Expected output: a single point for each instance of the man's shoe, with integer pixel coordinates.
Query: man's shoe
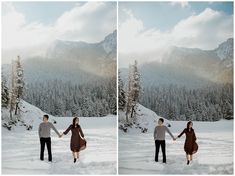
(188, 162)
(74, 160)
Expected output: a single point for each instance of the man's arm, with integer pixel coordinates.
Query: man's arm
(53, 127)
(169, 132)
(155, 133)
(39, 131)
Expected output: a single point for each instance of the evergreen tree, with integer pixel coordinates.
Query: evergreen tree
(133, 91)
(5, 93)
(121, 94)
(17, 85)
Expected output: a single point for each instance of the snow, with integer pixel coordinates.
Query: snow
(145, 117)
(225, 49)
(109, 43)
(21, 148)
(215, 154)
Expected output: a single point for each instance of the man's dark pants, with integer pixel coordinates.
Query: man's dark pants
(46, 141)
(161, 143)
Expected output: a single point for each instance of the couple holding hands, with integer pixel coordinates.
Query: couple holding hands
(77, 142)
(190, 145)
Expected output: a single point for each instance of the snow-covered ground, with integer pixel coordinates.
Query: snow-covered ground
(21, 148)
(215, 154)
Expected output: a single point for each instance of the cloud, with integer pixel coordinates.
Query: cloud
(17, 33)
(89, 22)
(205, 30)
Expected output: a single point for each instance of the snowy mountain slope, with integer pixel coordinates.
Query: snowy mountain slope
(213, 65)
(75, 61)
(110, 44)
(225, 50)
(215, 154)
(195, 57)
(29, 115)
(20, 148)
(79, 50)
(64, 59)
(146, 119)
(190, 67)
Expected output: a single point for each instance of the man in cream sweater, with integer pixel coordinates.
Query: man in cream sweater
(159, 137)
(44, 132)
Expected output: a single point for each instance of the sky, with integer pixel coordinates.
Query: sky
(148, 26)
(27, 26)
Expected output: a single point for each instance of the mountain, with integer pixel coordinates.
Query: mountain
(110, 44)
(225, 50)
(79, 62)
(79, 51)
(190, 67)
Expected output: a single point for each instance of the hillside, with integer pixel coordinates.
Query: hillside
(145, 121)
(29, 116)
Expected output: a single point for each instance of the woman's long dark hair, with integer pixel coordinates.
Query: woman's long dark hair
(74, 122)
(188, 125)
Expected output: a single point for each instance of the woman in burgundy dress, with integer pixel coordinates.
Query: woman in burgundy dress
(77, 142)
(190, 145)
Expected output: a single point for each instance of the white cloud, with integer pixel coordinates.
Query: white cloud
(17, 33)
(89, 22)
(205, 30)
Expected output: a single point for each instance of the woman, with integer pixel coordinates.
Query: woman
(190, 145)
(77, 142)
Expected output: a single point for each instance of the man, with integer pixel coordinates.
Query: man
(44, 132)
(159, 137)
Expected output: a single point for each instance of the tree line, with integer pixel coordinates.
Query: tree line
(210, 103)
(64, 98)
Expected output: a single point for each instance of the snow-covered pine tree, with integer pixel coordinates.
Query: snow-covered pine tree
(19, 82)
(12, 91)
(5, 93)
(129, 93)
(121, 94)
(112, 94)
(17, 86)
(133, 91)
